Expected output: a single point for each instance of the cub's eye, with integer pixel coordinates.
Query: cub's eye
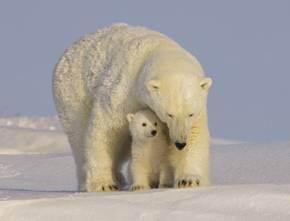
(144, 124)
(155, 123)
(190, 115)
(170, 115)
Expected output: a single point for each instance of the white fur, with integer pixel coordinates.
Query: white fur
(115, 71)
(149, 165)
(191, 165)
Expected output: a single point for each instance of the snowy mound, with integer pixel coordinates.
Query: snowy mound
(22, 135)
(37, 182)
(37, 123)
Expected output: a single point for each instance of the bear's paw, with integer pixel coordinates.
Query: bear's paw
(188, 181)
(98, 187)
(137, 187)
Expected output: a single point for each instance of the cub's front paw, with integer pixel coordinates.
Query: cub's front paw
(187, 182)
(137, 187)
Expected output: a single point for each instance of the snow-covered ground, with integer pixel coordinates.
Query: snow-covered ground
(37, 182)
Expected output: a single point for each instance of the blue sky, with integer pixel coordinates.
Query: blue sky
(243, 45)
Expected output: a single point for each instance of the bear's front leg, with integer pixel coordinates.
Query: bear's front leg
(102, 143)
(191, 168)
(191, 164)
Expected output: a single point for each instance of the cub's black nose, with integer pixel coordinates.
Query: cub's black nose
(153, 132)
(180, 146)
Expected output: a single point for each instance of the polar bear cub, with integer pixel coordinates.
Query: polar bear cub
(149, 165)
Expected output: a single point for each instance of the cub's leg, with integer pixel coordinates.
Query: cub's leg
(140, 174)
(154, 179)
(166, 179)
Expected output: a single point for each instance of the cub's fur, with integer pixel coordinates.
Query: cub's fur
(149, 165)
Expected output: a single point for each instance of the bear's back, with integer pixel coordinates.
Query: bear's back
(116, 53)
(104, 65)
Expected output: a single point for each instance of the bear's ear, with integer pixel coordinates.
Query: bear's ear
(130, 117)
(153, 85)
(206, 83)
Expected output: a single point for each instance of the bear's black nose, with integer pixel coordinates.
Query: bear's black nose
(153, 132)
(180, 146)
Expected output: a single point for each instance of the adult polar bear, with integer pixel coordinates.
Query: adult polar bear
(119, 70)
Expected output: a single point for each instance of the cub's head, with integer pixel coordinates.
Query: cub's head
(144, 125)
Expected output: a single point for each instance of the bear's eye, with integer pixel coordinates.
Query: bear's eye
(190, 115)
(170, 115)
(155, 123)
(144, 124)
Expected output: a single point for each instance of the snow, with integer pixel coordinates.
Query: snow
(37, 182)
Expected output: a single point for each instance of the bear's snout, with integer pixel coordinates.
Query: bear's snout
(153, 132)
(180, 146)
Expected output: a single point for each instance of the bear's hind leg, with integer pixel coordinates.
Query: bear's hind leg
(103, 141)
(75, 141)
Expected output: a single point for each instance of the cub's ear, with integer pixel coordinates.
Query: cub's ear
(206, 83)
(130, 117)
(153, 85)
